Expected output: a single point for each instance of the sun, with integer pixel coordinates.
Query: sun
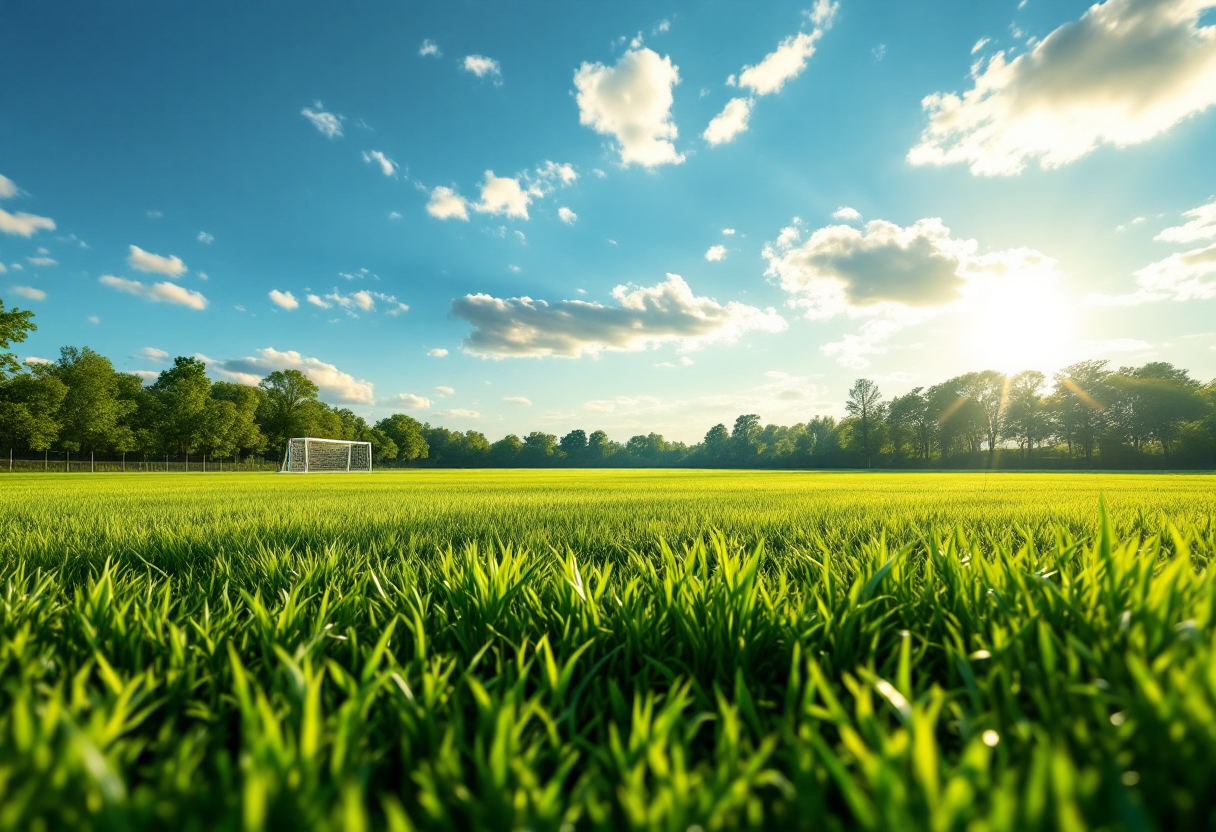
(1018, 321)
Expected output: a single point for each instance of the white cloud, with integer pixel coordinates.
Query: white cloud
(93, 319)
(8, 188)
(446, 204)
(204, 237)
(153, 354)
(328, 124)
(550, 175)
(394, 215)
(33, 359)
(1189, 275)
(643, 317)
(443, 390)
(437, 352)
(360, 301)
(823, 13)
(387, 166)
(358, 274)
(29, 292)
(334, 384)
(846, 213)
(521, 400)
(661, 27)
(3, 268)
(1200, 227)
(980, 44)
(158, 293)
(684, 361)
(145, 261)
(22, 224)
(1127, 71)
(42, 261)
(429, 49)
(631, 101)
(842, 269)
(567, 216)
(784, 63)
(146, 375)
(729, 232)
(716, 253)
(730, 122)
(409, 401)
(502, 195)
(458, 414)
(286, 300)
(481, 66)
(853, 350)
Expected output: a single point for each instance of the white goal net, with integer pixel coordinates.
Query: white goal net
(320, 456)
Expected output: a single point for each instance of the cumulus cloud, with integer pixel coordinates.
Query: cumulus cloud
(716, 253)
(153, 354)
(446, 204)
(846, 213)
(328, 124)
(521, 400)
(42, 261)
(642, 317)
(481, 66)
(730, 122)
(29, 292)
(437, 352)
(409, 401)
(158, 292)
(1127, 71)
(33, 359)
(1201, 226)
(631, 102)
(387, 166)
(729, 232)
(334, 384)
(842, 269)
(22, 224)
(1188, 275)
(145, 261)
(8, 188)
(429, 49)
(285, 300)
(502, 195)
(204, 237)
(567, 216)
(443, 390)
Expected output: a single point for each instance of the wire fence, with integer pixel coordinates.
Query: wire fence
(66, 462)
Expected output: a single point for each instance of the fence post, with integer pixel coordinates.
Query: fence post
(10, 459)
(204, 463)
(92, 470)
(187, 462)
(67, 462)
(46, 459)
(124, 462)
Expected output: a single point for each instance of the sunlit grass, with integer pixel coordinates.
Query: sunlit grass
(646, 650)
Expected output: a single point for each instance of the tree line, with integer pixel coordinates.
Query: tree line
(1086, 415)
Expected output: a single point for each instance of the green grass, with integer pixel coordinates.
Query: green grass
(607, 650)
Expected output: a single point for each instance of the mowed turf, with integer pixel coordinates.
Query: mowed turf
(607, 650)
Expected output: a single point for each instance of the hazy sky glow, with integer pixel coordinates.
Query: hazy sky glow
(625, 216)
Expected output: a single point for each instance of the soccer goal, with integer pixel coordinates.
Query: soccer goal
(325, 456)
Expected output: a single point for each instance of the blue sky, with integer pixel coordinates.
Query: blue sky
(695, 210)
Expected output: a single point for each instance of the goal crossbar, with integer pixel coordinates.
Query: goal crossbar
(309, 455)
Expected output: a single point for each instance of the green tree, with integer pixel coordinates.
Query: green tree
(1151, 403)
(988, 390)
(29, 408)
(245, 436)
(539, 448)
(185, 421)
(864, 406)
(506, 451)
(15, 325)
(716, 445)
(745, 440)
(574, 446)
(905, 416)
(1027, 418)
(406, 433)
(600, 447)
(93, 410)
(1081, 396)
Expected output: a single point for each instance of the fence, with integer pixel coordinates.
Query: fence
(75, 463)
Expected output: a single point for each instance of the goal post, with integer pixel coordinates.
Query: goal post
(307, 455)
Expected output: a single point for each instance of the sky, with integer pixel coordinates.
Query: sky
(629, 216)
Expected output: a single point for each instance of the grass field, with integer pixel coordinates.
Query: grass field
(606, 650)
